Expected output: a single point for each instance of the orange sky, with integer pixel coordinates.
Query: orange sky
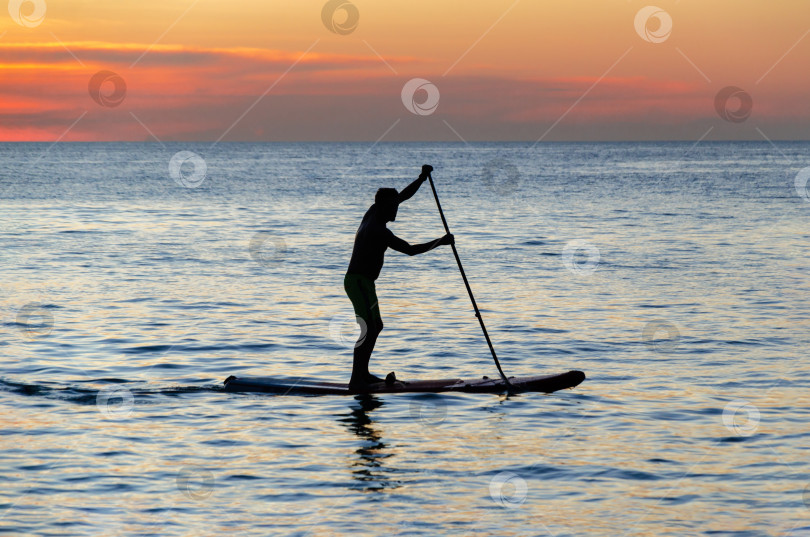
(502, 70)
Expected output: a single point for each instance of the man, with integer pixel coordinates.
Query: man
(370, 243)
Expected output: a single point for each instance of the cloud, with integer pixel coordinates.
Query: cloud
(197, 93)
(123, 55)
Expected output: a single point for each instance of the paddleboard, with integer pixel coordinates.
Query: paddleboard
(304, 386)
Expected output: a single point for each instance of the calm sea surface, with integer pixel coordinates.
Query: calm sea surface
(675, 275)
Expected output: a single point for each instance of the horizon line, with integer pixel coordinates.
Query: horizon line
(457, 142)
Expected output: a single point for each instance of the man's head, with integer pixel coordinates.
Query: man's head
(387, 199)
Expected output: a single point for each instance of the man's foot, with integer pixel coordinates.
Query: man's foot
(369, 380)
(373, 379)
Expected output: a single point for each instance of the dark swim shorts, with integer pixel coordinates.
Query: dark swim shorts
(363, 294)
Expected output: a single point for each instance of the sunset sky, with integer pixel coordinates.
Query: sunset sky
(531, 70)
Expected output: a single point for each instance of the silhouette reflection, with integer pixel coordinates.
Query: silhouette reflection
(369, 468)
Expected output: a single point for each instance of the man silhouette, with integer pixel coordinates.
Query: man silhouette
(370, 243)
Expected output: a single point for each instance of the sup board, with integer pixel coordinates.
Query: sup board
(303, 386)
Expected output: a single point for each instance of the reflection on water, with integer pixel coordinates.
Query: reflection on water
(369, 468)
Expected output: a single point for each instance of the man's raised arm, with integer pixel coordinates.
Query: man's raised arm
(411, 189)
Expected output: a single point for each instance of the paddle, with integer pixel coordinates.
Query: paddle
(467, 285)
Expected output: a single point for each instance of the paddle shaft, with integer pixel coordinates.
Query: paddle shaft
(467, 285)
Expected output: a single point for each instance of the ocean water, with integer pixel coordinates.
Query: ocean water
(674, 275)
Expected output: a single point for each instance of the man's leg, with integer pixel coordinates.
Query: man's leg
(363, 295)
(369, 331)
